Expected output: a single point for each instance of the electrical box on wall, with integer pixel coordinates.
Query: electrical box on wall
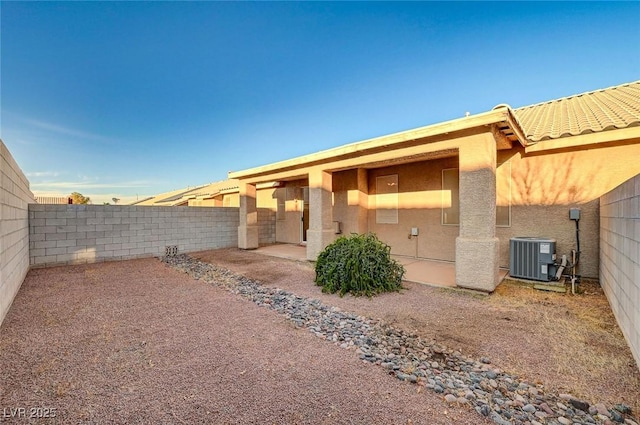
(414, 231)
(574, 214)
(337, 227)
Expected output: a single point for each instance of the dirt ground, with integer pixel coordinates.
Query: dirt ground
(138, 342)
(569, 343)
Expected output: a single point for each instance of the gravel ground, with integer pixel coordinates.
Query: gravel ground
(565, 344)
(503, 397)
(138, 342)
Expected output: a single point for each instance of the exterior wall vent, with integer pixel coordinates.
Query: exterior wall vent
(532, 258)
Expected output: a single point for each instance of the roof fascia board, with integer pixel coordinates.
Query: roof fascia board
(390, 142)
(514, 124)
(610, 136)
(375, 157)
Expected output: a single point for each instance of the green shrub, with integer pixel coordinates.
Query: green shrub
(359, 264)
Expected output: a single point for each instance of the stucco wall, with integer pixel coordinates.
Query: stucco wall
(265, 198)
(420, 200)
(15, 197)
(540, 188)
(351, 200)
(73, 234)
(419, 205)
(552, 221)
(620, 257)
(545, 186)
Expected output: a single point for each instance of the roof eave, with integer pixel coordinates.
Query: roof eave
(445, 129)
(514, 124)
(622, 135)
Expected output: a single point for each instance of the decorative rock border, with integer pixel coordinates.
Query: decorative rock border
(461, 380)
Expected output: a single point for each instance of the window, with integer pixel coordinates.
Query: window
(450, 196)
(387, 199)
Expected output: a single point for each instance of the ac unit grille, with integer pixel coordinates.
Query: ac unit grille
(532, 258)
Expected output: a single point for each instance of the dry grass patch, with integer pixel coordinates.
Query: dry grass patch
(588, 355)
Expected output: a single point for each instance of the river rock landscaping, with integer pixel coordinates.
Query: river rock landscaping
(458, 378)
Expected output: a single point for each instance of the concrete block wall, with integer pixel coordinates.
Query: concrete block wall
(75, 234)
(15, 197)
(620, 257)
(266, 226)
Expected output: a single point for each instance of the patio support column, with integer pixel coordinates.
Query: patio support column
(477, 245)
(248, 228)
(320, 233)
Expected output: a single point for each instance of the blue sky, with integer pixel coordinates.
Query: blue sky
(128, 99)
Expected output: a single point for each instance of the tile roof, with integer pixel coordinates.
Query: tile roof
(182, 196)
(163, 197)
(214, 188)
(52, 199)
(600, 110)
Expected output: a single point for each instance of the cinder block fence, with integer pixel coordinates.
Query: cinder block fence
(15, 196)
(75, 234)
(36, 235)
(620, 257)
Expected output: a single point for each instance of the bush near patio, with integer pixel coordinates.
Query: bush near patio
(360, 265)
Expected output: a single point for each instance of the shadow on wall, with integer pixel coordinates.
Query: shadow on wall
(554, 180)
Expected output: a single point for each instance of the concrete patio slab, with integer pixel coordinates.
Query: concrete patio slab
(428, 272)
(418, 270)
(289, 251)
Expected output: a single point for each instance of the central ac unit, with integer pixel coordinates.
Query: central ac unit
(532, 258)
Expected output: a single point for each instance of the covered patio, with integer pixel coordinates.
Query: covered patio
(345, 186)
(418, 270)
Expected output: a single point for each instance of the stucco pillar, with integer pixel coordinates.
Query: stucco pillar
(248, 228)
(320, 233)
(477, 246)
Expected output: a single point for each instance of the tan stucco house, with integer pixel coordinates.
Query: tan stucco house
(459, 190)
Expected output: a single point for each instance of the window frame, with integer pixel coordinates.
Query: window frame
(388, 217)
(442, 208)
